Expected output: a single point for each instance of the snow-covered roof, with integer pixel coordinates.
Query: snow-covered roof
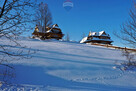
(101, 33)
(93, 33)
(83, 40)
(48, 31)
(55, 28)
(41, 29)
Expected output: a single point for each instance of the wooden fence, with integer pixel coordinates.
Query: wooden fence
(115, 47)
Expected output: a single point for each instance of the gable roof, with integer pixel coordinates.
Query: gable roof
(101, 33)
(55, 28)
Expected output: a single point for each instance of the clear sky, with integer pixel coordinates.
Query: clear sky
(90, 15)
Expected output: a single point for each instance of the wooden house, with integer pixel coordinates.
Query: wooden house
(53, 32)
(97, 37)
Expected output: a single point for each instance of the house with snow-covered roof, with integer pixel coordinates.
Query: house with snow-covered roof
(53, 32)
(97, 37)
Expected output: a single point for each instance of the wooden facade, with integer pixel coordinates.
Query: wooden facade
(99, 41)
(52, 33)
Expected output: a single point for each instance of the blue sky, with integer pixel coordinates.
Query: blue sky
(90, 15)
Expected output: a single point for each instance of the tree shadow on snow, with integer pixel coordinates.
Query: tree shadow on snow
(76, 55)
(38, 76)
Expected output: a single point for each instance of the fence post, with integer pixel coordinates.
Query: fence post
(125, 49)
(107, 45)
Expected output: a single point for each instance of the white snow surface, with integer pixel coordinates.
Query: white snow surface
(66, 66)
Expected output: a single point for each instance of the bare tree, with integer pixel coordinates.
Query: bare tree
(67, 37)
(83, 35)
(14, 20)
(129, 64)
(128, 29)
(43, 16)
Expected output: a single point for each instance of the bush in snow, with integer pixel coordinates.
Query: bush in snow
(130, 64)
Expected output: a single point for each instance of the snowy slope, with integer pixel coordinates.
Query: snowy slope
(65, 66)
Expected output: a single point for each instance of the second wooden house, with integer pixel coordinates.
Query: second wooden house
(97, 37)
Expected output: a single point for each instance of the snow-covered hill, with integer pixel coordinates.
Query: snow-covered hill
(65, 66)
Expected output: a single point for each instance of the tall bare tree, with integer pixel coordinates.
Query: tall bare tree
(14, 20)
(128, 29)
(43, 16)
(67, 37)
(83, 35)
